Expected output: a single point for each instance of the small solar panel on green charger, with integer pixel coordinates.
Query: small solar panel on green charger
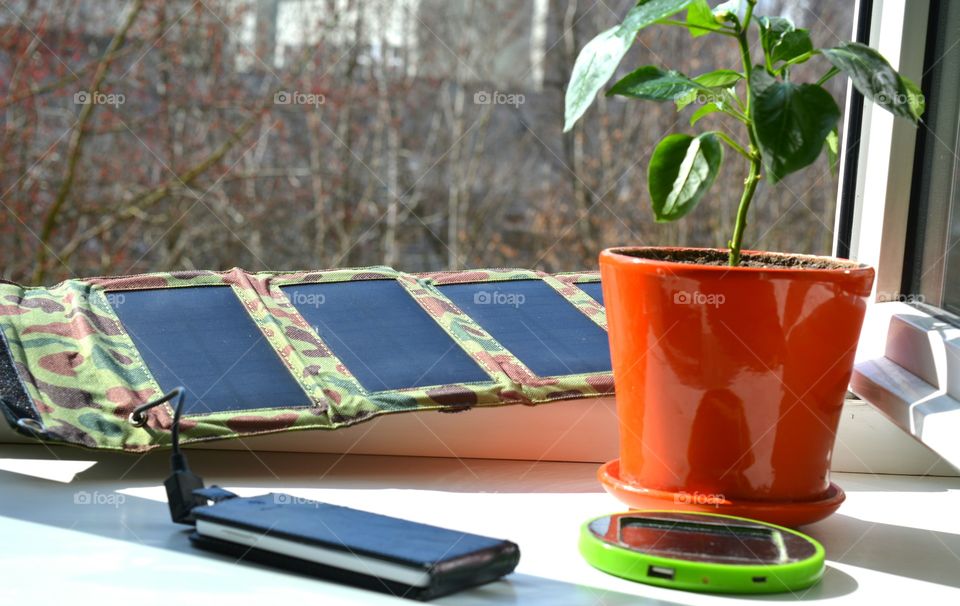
(705, 552)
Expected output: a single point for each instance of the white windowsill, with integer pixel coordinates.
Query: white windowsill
(895, 536)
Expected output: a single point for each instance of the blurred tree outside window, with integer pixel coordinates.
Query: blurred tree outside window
(144, 135)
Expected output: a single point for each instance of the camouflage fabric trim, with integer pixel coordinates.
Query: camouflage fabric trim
(578, 298)
(83, 374)
(474, 276)
(67, 337)
(575, 277)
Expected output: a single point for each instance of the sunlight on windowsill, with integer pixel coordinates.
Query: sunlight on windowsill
(55, 470)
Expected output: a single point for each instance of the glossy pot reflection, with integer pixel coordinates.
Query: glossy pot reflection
(730, 381)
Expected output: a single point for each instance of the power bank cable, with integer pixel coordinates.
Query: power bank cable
(185, 489)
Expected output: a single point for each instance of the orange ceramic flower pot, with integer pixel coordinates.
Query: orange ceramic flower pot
(730, 381)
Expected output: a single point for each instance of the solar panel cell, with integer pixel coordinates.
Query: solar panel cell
(382, 335)
(202, 339)
(537, 324)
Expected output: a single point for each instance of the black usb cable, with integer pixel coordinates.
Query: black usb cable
(185, 489)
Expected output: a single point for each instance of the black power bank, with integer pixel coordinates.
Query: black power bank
(381, 553)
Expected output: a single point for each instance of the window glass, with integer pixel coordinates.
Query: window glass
(935, 212)
(421, 134)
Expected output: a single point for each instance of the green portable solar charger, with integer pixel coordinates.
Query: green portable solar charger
(702, 552)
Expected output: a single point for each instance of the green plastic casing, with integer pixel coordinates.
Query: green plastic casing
(691, 575)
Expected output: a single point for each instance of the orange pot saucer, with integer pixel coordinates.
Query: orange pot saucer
(785, 513)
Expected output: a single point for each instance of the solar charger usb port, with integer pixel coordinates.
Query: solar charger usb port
(661, 572)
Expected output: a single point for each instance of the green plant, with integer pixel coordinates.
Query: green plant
(787, 123)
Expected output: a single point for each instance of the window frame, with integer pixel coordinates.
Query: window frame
(909, 354)
(883, 182)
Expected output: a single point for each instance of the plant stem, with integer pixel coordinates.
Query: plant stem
(830, 74)
(756, 164)
(733, 144)
(749, 188)
(799, 59)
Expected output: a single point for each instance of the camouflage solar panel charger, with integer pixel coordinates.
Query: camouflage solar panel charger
(267, 352)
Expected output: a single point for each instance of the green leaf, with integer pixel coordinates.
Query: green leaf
(719, 89)
(598, 60)
(652, 83)
(876, 80)
(720, 77)
(791, 122)
(686, 99)
(772, 30)
(700, 16)
(792, 46)
(832, 144)
(723, 97)
(729, 11)
(781, 40)
(681, 171)
(715, 87)
(706, 110)
(914, 97)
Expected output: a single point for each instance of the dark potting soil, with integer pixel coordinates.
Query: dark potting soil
(719, 257)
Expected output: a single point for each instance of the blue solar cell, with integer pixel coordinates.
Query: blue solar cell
(537, 324)
(202, 339)
(382, 335)
(593, 289)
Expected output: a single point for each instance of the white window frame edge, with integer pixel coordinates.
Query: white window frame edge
(904, 353)
(882, 193)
